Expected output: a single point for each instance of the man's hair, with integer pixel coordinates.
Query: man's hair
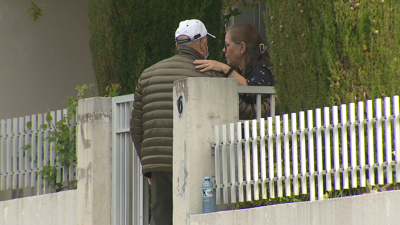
(189, 43)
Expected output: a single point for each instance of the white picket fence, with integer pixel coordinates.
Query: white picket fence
(19, 167)
(315, 155)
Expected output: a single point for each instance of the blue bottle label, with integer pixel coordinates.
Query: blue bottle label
(208, 192)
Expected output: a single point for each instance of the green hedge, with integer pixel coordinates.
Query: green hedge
(127, 36)
(333, 52)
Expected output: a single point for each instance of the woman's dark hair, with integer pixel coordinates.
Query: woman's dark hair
(249, 34)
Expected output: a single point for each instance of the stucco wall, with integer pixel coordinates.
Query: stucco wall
(42, 62)
(368, 209)
(49, 209)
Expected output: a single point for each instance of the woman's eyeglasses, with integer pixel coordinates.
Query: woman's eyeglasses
(226, 47)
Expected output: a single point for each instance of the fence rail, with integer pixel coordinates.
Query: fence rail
(19, 166)
(259, 91)
(275, 158)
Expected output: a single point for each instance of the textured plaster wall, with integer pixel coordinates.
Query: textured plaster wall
(368, 209)
(49, 209)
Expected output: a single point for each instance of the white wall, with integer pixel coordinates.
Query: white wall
(49, 209)
(368, 209)
(42, 62)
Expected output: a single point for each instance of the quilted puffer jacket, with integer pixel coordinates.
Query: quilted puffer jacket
(247, 110)
(152, 116)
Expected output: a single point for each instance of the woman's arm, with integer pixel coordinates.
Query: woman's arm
(206, 65)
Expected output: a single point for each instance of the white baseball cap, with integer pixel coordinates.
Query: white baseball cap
(194, 29)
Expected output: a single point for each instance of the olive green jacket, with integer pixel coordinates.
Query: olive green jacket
(152, 116)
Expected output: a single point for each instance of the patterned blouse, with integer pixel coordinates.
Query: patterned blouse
(259, 76)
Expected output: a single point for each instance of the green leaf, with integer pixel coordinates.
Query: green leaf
(49, 118)
(52, 139)
(26, 147)
(29, 124)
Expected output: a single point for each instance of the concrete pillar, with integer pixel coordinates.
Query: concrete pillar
(94, 150)
(199, 104)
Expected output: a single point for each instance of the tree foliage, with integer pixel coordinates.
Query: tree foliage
(127, 36)
(333, 52)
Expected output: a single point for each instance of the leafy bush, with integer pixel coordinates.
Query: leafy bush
(127, 36)
(333, 52)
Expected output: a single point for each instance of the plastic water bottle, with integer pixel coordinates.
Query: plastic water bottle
(208, 196)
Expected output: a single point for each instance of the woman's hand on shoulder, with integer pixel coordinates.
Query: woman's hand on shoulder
(206, 65)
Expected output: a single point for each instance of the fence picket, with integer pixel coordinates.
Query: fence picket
(21, 151)
(9, 153)
(353, 150)
(361, 142)
(40, 154)
(255, 158)
(262, 158)
(28, 153)
(335, 138)
(232, 164)
(34, 155)
(247, 159)
(371, 155)
(46, 157)
(71, 169)
(318, 139)
(128, 171)
(379, 149)
(60, 168)
(278, 146)
(240, 160)
(311, 162)
(271, 159)
(294, 155)
(122, 156)
(327, 136)
(388, 141)
(303, 153)
(345, 162)
(286, 154)
(224, 165)
(15, 150)
(65, 169)
(217, 166)
(3, 147)
(52, 152)
(396, 133)
(124, 113)
(116, 172)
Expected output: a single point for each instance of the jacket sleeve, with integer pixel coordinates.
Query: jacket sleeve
(214, 74)
(136, 123)
(247, 110)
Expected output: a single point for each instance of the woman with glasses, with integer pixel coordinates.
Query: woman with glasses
(248, 62)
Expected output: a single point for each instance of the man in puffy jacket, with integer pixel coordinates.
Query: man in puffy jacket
(152, 116)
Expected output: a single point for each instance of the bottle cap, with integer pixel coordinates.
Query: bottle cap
(206, 177)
